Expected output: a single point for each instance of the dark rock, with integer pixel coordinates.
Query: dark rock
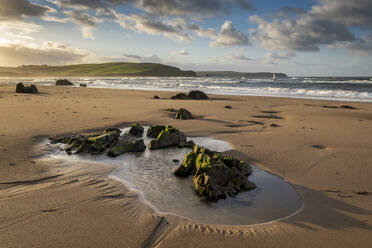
(274, 125)
(215, 175)
(176, 160)
(154, 131)
(20, 88)
(347, 107)
(136, 130)
(197, 95)
(95, 143)
(171, 110)
(167, 138)
(228, 107)
(327, 106)
(156, 97)
(125, 146)
(180, 96)
(183, 114)
(63, 82)
(83, 85)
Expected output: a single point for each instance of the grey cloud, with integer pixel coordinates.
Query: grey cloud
(275, 58)
(49, 53)
(180, 52)
(142, 23)
(86, 22)
(237, 57)
(304, 34)
(361, 46)
(229, 37)
(18, 9)
(196, 8)
(327, 23)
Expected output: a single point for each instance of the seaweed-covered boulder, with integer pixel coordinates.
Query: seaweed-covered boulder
(183, 114)
(94, 143)
(154, 131)
(63, 82)
(21, 88)
(180, 96)
(197, 95)
(125, 145)
(215, 175)
(167, 138)
(136, 130)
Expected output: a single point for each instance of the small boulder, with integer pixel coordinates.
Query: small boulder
(136, 130)
(20, 88)
(183, 114)
(228, 107)
(215, 175)
(167, 138)
(63, 82)
(347, 107)
(179, 96)
(197, 95)
(156, 97)
(83, 85)
(154, 131)
(124, 146)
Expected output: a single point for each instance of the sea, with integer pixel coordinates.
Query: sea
(329, 88)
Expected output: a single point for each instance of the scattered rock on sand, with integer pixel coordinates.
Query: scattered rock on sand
(63, 82)
(83, 85)
(156, 97)
(215, 175)
(26, 89)
(183, 114)
(197, 95)
(347, 107)
(192, 95)
(228, 107)
(342, 106)
(180, 96)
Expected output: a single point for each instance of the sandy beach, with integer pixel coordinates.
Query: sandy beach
(324, 153)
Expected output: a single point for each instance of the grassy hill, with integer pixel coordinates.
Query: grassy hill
(118, 69)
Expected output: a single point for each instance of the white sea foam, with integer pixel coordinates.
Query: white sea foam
(349, 89)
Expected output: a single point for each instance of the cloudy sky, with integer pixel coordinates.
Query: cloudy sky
(298, 37)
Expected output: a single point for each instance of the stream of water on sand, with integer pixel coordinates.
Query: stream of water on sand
(151, 175)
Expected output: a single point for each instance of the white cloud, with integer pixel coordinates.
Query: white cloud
(52, 53)
(229, 37)
(180, 52)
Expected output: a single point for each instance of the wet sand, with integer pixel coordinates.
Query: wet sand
(325, 153)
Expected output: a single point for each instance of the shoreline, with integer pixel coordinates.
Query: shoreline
(341, 218)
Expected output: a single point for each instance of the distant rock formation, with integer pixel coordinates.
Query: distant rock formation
(192, 95)
(32, 89)
(63, 82)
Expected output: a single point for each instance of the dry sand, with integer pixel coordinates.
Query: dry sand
(45, 205)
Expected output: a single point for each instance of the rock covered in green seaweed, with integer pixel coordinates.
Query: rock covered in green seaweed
(183, 114)
(154, 131)
(168, 137)
(124, 145)
(98, 143)
(215, 175)
(136, 130)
